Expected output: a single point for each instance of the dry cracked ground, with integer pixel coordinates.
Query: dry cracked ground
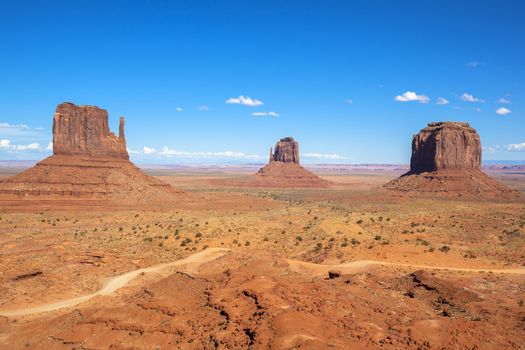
(338, 268)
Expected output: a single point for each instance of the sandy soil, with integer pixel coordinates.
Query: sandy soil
(272, 289)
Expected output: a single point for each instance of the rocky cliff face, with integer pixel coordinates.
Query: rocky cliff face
(286, 151)
(89, 163)
(446, 159)
(83, 130)
(445, 146)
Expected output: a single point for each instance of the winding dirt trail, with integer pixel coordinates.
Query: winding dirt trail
(364, 264)
(117, 282)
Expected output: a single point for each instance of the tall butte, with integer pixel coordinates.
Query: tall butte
(88, 162)
(446, 160)
(284, 170)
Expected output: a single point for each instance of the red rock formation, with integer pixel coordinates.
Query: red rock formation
(445, 145)
(286, 150)
(446, 159)
(282, 171)
(88, 162)
(83, 130)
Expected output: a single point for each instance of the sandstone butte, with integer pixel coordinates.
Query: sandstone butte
(446, 160)
(88, 161)
(284, 170)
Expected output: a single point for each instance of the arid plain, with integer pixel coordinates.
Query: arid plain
(406, 272)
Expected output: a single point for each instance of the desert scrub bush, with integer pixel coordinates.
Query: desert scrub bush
(359, 222)
(377, 238)
(299, 238)
(444, 248)
(423, 242)
(198, 234)
(469, 255)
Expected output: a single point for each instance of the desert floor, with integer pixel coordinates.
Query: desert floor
(250, 269)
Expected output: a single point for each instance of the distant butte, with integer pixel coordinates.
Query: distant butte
(84, 131)
(286, 151)
(284, 170)
(88, 161)
(446, 160)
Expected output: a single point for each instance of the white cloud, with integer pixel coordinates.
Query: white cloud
(31, 146)
(244, 100)
(516, 147)
(13, 126)
(14, 130)
(442, 101)
(130, 151)
(503, 111)
(6, 145)
(323, 156)
(178, 109)
(469, 98)
(489, 149)
(504, 100)
(149, 150)
(478, 109)
(412, 96)
(473, 64)
(203, 108)
(171, 153)
(349, 101)
(265, 114)
(49, 146)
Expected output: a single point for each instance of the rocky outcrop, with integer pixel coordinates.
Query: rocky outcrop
(446, 160)
(88, 162)
(84, 131)
(284, 170)
(446, 145)
(286, 151)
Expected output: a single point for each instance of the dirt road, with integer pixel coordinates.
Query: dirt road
(193, 261)
(117, 282)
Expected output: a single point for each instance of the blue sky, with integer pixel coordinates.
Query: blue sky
(352, 81)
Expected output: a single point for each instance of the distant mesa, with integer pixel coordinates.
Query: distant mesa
(446, 160)
(84, 131)
(286, 151)
(446, 146)
(88, 161)
(284, 170)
